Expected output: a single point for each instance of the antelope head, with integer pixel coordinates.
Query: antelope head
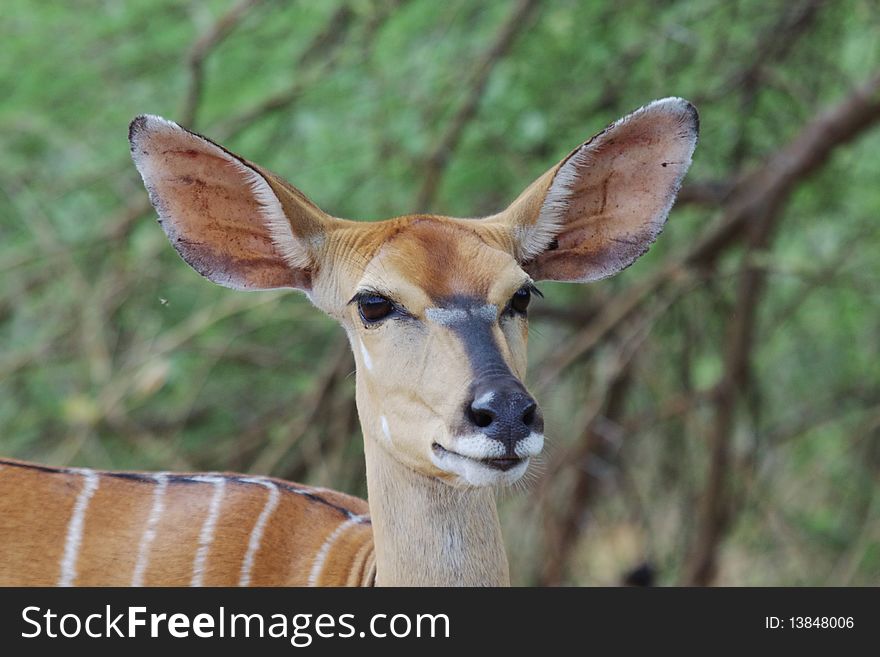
(435, 307)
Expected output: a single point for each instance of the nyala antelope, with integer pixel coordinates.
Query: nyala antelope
(436, 313)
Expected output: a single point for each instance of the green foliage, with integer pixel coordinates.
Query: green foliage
(115, 355)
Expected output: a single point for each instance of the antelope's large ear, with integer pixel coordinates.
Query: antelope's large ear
(233, 222)
(601, 207)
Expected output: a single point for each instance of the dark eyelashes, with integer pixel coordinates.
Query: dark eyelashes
(363, 294)
(531, 287)
(374, 306)
(367, 294)
(519, 302)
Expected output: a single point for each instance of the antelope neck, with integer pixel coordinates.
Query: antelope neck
(427, 533)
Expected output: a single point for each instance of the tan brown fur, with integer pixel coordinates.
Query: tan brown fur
(117, 516)
(35, 509)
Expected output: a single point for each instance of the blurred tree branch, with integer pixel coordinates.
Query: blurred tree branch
(438, 159)
(195, 60)
(310, 409)
(759, 212)
(318, 58)
(562, 526)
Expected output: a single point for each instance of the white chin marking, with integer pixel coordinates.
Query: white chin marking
(479, 446)
(463, 455)
(474, 473)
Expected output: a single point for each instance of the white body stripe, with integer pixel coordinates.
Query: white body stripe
(140, 568)
(75, 527)
(321, 557)
(259, 528)
(206, 537)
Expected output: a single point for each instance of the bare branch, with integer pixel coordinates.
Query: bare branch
(438, 159)
(763, 210)
(562, 528)
(213, 36)
(317, 59)
(709, 193)
(336, 367)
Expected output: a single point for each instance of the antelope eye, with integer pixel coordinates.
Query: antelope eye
(374, 308)
(520, 301)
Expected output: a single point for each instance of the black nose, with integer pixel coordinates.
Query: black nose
(504, 411)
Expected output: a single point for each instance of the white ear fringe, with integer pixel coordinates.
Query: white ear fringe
(535, 239)
(292, 249)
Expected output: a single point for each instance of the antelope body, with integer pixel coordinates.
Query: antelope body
(435, 309)
(79, 526)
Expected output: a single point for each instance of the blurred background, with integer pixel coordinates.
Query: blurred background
(713, 412)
